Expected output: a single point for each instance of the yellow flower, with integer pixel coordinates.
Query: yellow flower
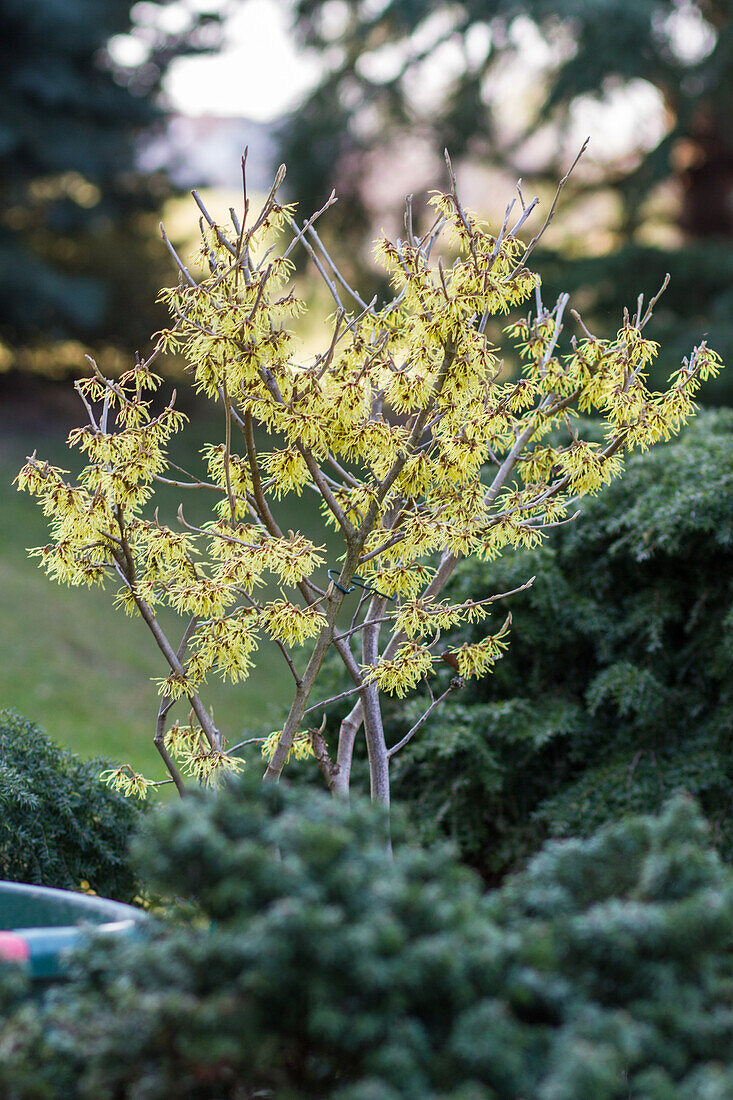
(288, 471)
(182, 740)
(398, 676)
(210, 766)
(290, 623)
(301, 747)
(129, 782)
(477, 659)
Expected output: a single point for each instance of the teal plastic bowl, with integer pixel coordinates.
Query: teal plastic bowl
(38, 925)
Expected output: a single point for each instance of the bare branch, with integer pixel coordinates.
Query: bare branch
(408, 221)
(456, 683)
(526, 211)
(187, 484)
(307, 225)
(316, 260)
(248, 741)
(320, 751)
(588, 335)
(263, 508)
(320, 481)
(220, 236)
(336, 273)
(176, 259)
(87, 406)
(333, 698)
(650, 308)
(538, 236)
(554, 523)
(270, 200)
(345, 476)
(373, 727)
(166, 703)
(228, 449)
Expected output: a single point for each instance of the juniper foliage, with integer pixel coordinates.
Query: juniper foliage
(316, 966)
(616, 690)
(59, 825)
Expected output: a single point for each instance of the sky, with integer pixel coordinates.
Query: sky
(239, 80)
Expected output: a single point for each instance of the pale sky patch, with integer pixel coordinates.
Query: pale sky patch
(260, 73)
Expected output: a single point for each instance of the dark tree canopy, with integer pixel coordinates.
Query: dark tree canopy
(379, 85)
(72, 252)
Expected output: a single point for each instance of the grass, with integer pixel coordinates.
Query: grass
(81, 669)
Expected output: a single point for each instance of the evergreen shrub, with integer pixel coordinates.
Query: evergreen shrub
(616, 691)
(59, 824)
(308, 963)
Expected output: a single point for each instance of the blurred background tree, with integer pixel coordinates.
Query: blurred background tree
(78, 252)
(516, 84)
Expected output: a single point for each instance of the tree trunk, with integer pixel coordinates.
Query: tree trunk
(707, 206)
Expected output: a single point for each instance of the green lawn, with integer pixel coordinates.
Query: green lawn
(80, 668)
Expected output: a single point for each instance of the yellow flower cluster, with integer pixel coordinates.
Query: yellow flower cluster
(226, 645)
(210, 766)
(288, 471)
(477, 659)
(291, 624)
(300, 749)
(427, 615)
(189, 747)
(403, 672)
(127, 781)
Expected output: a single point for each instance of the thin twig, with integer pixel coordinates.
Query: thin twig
(650, 308)
(228, 449)
(538, 236)
(249, 741)
(306, 226)
(176, 259)
(222, 239)
(187, 484)
(456, 683)
(270, 200)
(333, 698)
(87, 406)
(337, 274)
(166, 703)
